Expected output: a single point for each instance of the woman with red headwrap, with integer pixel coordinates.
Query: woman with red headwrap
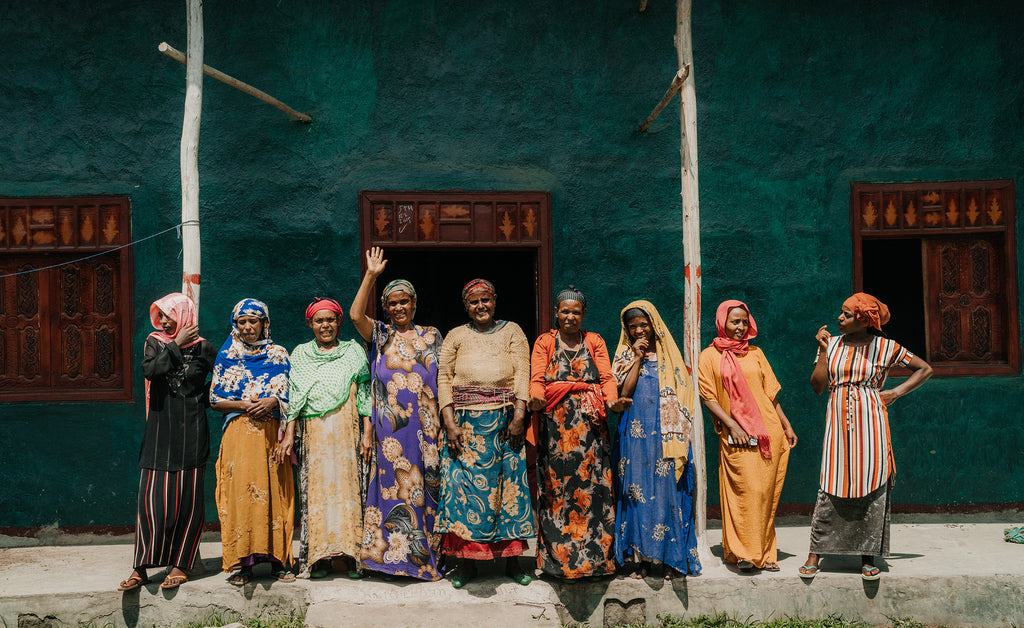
(739, 388)
(329, 406)
(177, 363)
(851, 515)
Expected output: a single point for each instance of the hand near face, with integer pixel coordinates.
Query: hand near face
(640, 346)
(187, 335)
(822, 337)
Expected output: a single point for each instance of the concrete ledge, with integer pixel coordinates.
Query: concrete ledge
(952, 574)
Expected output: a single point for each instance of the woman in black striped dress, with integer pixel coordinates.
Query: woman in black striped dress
(177, 364)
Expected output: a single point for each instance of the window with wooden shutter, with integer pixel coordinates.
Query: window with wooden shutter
(65, 299)
(944, 255)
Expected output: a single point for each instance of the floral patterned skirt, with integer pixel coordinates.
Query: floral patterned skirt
(255, 495)
(576, 507)
(484, 493)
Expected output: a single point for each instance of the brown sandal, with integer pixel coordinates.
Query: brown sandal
(133, 582)
(173, 582)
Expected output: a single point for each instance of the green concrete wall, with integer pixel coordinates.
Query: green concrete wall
(795, 101)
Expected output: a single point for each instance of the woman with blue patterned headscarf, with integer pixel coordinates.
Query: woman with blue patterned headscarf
(255, 491)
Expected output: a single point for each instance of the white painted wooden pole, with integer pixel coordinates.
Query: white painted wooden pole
(691, 261)
(190, 278)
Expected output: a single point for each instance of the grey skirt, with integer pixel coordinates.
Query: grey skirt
(852, 526)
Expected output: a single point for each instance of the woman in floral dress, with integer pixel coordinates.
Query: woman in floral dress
(572, 383)
(402, 496)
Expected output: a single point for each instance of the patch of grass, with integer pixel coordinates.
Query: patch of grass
(295, 620)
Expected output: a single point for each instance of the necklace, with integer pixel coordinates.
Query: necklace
(565, 350)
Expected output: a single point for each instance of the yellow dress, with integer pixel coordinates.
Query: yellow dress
(255, 495)
(749, 485)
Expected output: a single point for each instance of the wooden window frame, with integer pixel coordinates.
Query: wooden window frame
(495, 220)
(84, 346)
(930, 211)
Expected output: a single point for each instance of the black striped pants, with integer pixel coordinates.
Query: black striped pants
(171, 513)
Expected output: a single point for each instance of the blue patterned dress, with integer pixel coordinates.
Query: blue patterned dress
(654, 517)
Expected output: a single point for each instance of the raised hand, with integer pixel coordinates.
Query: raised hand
(375, 261)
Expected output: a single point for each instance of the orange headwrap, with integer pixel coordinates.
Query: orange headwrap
(868, 310)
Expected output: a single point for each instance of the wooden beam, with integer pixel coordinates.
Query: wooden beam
(168, 50)
(191, 262)
(677, 84)
(692, 264)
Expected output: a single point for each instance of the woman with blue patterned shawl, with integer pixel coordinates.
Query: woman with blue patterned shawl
(255, 490)
(654, 474)
(330, 405)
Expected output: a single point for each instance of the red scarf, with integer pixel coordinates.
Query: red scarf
(742, 404)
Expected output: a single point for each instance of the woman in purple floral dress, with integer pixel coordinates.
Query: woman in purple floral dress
(401, 501)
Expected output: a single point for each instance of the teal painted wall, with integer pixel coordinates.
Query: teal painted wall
(793, 105)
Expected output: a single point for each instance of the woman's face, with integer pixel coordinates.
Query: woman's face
(167, 323)
(569, 316)
(480, 307)
(737, 323)
(400, 307)
(325, 326)
(848, 323)
(250, 328)
(640, 327)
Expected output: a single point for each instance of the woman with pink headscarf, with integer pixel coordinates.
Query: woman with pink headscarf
(740, 390)
(851, 516)
(177, 363)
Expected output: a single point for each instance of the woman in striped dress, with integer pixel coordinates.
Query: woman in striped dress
(851, 515)
(176, 363)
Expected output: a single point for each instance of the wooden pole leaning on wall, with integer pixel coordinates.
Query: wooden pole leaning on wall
(692, 265)
(190, 242)
(169, 50)
(677, 84)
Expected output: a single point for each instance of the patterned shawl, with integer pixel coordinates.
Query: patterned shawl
(676, 406)
(250, 371)
(320, 382)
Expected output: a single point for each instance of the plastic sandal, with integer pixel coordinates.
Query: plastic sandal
(284, 575)
(519, 577)
(865, 572)
(354, 575)
(771, 567)
(461, 577)
(133, 582)
(811, 571)
(241, 578)
(745, 565)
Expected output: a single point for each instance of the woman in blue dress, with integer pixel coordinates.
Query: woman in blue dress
(653, 470)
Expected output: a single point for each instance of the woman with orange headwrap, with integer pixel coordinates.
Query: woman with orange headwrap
(739, 388)
(851, 515)
(329, 410)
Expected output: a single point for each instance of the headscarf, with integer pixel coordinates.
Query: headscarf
(742, 404)
(246, 371)
(476, 285)
(398, 285)
(868, 310)
(676, 399)
(323, 303)
(571, 294)
(180, 309)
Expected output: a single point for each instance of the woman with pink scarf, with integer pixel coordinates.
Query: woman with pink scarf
(177, 363)
(739, 388)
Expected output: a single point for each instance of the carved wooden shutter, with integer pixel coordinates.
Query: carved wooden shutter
(67, 323)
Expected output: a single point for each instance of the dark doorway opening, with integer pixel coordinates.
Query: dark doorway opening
(438, 276)
(894, 273)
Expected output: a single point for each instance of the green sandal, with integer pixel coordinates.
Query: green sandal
(520, 577)
(462, 576)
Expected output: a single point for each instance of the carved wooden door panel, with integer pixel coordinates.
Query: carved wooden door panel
(965, 283)
(20, 334)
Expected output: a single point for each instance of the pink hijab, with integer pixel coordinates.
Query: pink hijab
(742, 404)
(182, 311)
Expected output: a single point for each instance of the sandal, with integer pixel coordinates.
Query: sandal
(865, 572)
(638, 572)
(771, 567)
(133, 582)
(519, 577)
(745, 565)
(807, 572)
(283, 575)
(241, 578)
(173, 582)
(355, 575)
(671, 573)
